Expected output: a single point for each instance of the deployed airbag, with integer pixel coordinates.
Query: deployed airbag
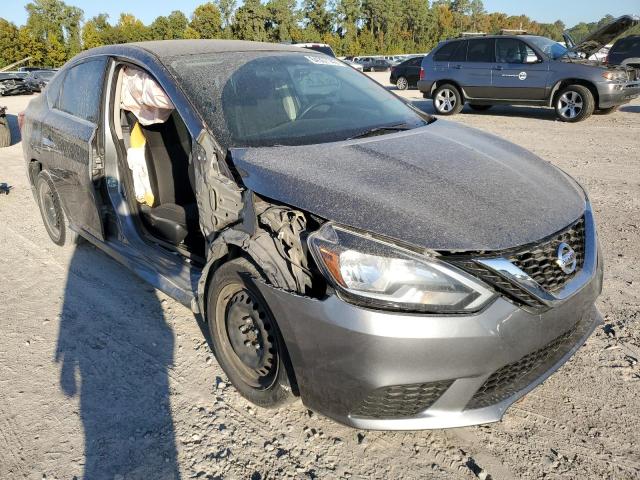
(142, 96)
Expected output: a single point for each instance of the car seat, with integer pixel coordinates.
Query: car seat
(171, 177)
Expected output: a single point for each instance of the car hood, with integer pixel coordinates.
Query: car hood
(442, 187)
(601, 37)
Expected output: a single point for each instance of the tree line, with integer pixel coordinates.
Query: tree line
(54, 31)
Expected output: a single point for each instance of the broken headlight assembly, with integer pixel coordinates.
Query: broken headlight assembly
(615, 75)
(376, 273)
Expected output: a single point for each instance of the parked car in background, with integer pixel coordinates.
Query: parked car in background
(373, 64)
(393, 270)
(12, 83)
(353, 64)
(38, 79)
(627, 48)
(529, 70)
(406, 74)
(318, 47)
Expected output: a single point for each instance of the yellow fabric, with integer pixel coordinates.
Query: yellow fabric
(138, 164)
(137, 138)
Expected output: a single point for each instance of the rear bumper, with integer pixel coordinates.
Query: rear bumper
(346, 358)
(613, 94)
(425, 86)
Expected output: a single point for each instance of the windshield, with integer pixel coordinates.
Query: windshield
(550, 48)
(254, 99)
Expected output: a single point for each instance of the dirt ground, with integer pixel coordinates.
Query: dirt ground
(103, 377)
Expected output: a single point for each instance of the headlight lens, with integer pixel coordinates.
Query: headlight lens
(615, 75)
(373, 272)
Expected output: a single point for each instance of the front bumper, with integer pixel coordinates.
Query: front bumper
(369, 369)
(614, 94)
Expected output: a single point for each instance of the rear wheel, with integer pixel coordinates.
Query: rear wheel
(574, 103)
(5, 133)
(246, 339)
(50, 209)
(479, 108)
(402, 83)
(447, 100)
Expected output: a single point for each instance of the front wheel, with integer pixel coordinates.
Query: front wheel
(447, 100)
(402, 83)
(574, 103)
(246, 339)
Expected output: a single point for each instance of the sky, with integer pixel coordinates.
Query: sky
(569, 11)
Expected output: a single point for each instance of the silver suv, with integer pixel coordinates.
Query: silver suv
(528, 70)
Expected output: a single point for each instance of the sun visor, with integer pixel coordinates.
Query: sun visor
(143, 97)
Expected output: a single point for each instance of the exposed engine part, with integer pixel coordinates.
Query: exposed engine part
(289, 226)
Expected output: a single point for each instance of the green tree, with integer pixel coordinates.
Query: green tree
(206, 21)
(9, 51)
(96, 32)
(54, 18)
(31, 46)
(171, 27)
(249, 22)
(129, 29)
(317, 17)
(227, 9)
(282, 20)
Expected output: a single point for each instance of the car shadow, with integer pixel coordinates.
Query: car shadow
(16, 136)
(115, 349)
(496, 111)
(630, 108)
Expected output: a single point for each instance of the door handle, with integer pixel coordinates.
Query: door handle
(48, 144)
(457, 67)
(498, 67)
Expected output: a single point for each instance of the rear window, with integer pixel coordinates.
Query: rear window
(82, 90)
(460, 55)
(444, 53)
(628, 44)
(481, 50)
(326, 49)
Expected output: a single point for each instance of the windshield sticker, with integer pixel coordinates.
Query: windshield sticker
(318, 60)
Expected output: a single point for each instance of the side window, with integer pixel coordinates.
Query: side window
(54, 87)
(82, 90)
(444, 53)
(460, 55)
(511, 50)
(481, 50)
(415, 62)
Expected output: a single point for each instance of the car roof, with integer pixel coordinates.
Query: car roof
(481, 37)
(173, 48)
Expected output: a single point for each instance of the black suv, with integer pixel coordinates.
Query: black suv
(528, 70)
(406, 74)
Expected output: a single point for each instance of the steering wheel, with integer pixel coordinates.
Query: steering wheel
(313, 106)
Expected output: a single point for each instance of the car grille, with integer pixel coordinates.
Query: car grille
(516, 376)
(398, 401)
(538, 261)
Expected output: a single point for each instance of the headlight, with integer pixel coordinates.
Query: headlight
(376, 273)
(615, 75)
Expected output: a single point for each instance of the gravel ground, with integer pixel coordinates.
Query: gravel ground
(101, 376)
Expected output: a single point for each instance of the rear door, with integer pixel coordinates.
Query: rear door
(519, 73)
(72, 137)
(412, 70)
(475, 76)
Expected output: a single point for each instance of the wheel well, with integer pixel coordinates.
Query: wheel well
(438, 83)
(35, 167)
(574, 81)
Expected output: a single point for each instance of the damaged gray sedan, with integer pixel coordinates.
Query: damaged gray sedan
(392, 270)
